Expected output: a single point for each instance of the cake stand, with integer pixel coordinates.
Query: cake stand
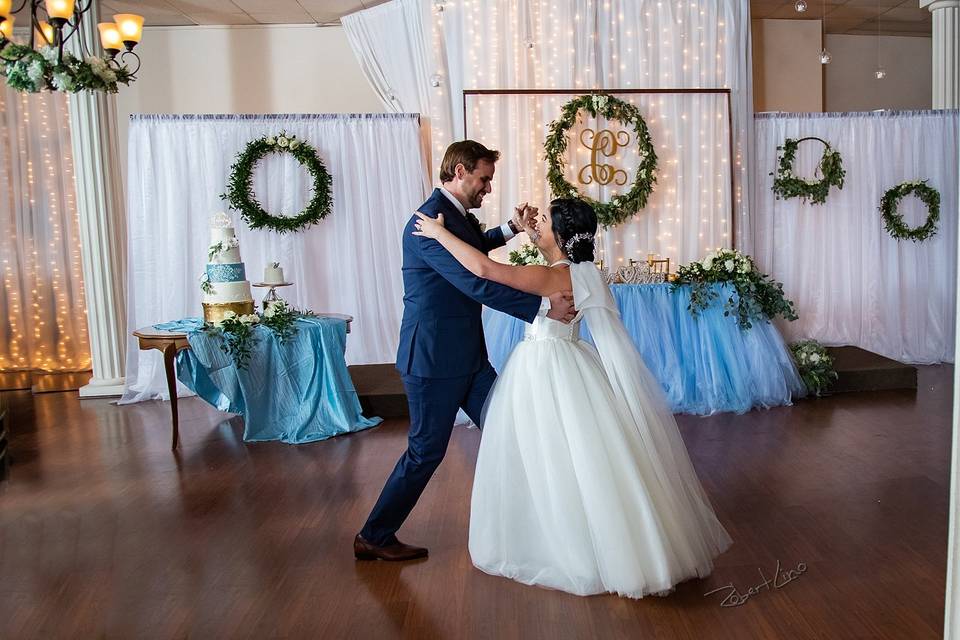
(272, 293)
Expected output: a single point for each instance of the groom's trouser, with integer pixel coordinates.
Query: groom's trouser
(433, 410)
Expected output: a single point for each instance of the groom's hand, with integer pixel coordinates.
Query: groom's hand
(561, 307)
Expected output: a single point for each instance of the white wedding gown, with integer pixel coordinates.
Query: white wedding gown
(583, 482)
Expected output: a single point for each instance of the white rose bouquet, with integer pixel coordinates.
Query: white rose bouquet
(527, 254)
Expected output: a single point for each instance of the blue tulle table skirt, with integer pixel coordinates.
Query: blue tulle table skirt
(299, 391)
(705, 364)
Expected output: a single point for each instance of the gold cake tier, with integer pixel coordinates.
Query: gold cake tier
(214, 311)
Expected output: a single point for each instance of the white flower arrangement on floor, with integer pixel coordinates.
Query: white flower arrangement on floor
(815, 365)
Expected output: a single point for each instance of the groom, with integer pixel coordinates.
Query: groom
(442, 356)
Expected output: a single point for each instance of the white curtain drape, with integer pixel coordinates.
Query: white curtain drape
(348, 263)
(388, 42)
(582, 45)
(852, 282)
(43, 322)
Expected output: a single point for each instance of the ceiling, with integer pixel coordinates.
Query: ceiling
(893, 17)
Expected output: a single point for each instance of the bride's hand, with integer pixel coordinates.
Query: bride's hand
(429, 227)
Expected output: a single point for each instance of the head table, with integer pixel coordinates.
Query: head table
(705, 364)
(296, 391)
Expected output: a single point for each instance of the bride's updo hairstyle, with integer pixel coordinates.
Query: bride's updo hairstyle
(574, 224)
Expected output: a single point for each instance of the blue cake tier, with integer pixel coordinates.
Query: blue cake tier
(233, 272)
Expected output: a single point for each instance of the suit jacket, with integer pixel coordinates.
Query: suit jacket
(441, 334)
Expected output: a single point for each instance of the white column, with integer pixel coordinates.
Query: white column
(946, 66)
(96, 161)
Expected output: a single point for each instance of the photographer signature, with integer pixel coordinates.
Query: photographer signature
(735, 599)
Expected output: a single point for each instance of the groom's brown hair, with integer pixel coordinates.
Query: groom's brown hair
(466, 152)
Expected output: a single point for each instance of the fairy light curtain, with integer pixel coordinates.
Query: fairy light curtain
(42, 310)
(581, 45)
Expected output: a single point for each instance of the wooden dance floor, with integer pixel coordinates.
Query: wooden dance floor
(106, 533)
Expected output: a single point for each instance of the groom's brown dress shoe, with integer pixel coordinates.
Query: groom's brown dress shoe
(394, 551)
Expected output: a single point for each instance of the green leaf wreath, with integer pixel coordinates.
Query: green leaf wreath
(757, 296)
(622, 206)
(892, 220)
(240, 184)
(814, 364)
(33, 70)
(787, 185)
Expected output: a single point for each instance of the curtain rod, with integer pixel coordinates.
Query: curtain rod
(273, 116)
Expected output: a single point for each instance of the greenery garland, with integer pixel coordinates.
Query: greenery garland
(814, 364)
(238, 331)
(757, 297)
(893, 221)
(786, 185)
(33, 70)
(240, 184)
(620, 207)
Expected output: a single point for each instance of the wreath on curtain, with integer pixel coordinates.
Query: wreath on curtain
(893, 221)
(240, 184)
(620, 207)
(787, 185)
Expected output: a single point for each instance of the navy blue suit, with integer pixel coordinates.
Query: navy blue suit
(442, 355)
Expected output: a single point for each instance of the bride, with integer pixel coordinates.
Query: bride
(583, 482)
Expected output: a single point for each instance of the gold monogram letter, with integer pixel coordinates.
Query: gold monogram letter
(606, 143)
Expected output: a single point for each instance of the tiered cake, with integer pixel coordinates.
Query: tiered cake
(228, 288)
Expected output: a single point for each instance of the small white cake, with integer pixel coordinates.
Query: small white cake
(273, 274)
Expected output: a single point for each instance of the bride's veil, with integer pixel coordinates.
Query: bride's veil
(640, 393)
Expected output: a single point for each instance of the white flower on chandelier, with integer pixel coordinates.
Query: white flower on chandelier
(35, 71)
(63, 82)
(49, 54)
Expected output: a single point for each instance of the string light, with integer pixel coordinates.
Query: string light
(47, 274)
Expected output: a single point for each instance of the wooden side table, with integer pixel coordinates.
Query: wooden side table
(169, 343)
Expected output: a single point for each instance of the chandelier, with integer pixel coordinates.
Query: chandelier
(42, 63)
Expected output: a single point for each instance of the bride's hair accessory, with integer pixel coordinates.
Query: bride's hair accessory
(576, 238)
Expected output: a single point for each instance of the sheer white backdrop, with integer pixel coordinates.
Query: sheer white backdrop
(852, 282)
(43, 322)
(348, 263)
(540, 44)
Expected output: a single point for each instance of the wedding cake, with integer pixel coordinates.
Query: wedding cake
(226, 287)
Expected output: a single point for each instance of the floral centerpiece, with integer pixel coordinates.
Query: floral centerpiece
(756, 297)
(815, 365)
(238, 331)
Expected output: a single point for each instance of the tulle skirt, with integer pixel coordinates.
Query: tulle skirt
(567, 493)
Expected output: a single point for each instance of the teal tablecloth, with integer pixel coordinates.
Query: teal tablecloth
(295, 392)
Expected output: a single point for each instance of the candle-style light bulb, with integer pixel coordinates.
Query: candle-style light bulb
(6, 28)
(130, 26)
(60, 10)
(110, 38)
